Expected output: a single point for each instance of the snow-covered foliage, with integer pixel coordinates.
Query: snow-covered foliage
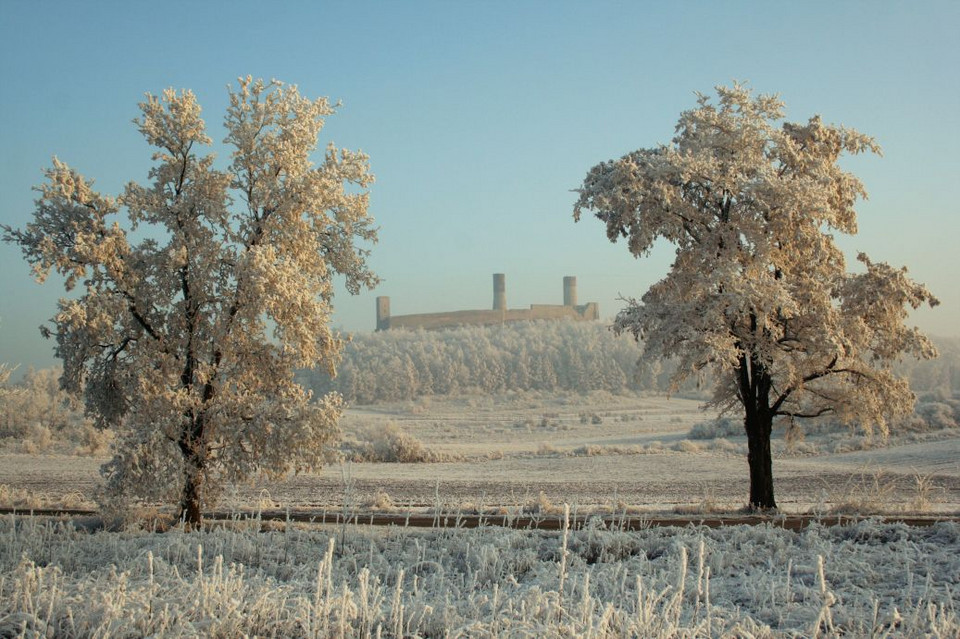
(759, 293)
(714, 428)
(36, 400)
(940, 375)
(539, 355)
(38, 416)
(192, 317)
(862, 580)
(388, 444)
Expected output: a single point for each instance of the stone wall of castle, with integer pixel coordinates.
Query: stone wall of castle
(498, 315)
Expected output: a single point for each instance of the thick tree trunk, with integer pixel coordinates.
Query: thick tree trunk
(755, 384)
(194, 455)
(761, 461)
(190, 512)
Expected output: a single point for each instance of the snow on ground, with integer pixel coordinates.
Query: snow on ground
(590, 449)
(525, 450)
(941, 457)
(864, 580)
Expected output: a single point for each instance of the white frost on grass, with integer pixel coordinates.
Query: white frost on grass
(868, 579)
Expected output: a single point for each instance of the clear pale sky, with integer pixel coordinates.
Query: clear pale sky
(480, 119)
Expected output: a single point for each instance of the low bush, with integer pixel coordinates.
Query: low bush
(388, 444)
(37, 417)
(939, 415)
(722, 427)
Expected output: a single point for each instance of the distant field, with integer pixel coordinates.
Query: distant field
(540, 450)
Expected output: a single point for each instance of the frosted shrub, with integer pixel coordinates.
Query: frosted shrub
(589, 450)
(714, 428)
(20, 498)
(37, 416)
(389, 444)
(687, 446)
(925, 493)
(938, 415)
(722, 445)
(381, 502)
(546, 448)
(38, 439)
(92, 441)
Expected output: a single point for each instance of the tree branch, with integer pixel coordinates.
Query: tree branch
(823, 411)
(122, 347)
(143, 322)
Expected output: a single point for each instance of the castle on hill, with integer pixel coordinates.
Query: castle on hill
(499, 314)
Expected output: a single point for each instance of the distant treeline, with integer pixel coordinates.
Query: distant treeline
(940, 375)
(541, 355)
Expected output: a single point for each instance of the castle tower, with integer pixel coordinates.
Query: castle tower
(499, 292)
(569, 291)
(383, 313)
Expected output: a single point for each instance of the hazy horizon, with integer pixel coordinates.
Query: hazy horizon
(481, 119)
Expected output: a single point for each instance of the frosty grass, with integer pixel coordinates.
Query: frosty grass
(863, 580)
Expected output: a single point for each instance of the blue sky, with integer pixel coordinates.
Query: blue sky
(480, 119)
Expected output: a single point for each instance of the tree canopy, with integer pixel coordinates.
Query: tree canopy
(759, 292)
(192, 316)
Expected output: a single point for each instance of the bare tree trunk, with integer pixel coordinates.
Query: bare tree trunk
(194, 460)
(190, 512)
(760, 461)
(755, 384)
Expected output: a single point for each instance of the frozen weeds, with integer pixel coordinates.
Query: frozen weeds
(863, 580)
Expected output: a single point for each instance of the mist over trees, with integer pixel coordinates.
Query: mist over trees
(759, 295)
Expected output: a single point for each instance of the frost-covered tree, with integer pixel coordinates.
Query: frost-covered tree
(35, 401)
(759, 292)
(400, 364)
(193, 315)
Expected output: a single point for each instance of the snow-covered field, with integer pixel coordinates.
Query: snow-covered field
(525, 452)
(865, 580)
(594, 449)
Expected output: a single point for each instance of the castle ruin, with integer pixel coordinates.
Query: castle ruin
(498, 315)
